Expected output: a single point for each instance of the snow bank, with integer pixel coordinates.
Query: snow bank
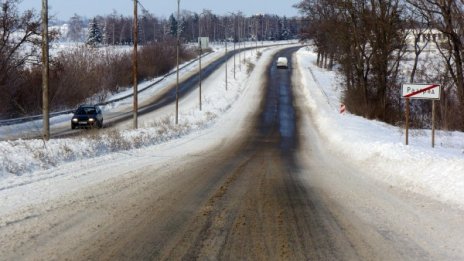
(378, 148)
(24, 157)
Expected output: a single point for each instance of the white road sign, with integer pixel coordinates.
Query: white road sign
(203, 42)
(421, 91)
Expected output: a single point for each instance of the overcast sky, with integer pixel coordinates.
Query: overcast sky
(64, 9)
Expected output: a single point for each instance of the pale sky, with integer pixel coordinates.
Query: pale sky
(64, 9)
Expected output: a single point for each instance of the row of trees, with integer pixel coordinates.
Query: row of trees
(117, 29)
(374, 39)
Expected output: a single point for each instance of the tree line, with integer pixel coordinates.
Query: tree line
(378, 44)
(117, 29)
(89, 71)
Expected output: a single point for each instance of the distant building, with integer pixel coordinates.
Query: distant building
(429, 36)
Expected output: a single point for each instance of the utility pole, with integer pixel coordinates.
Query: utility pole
(234, 54)
(45, 72)
(225, 42)
(256, 33)
(226, 61)
(178, 43)
(235, 37)
(134, 64)
(201, 52)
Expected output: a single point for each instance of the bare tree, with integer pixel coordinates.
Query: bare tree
(417, 30)
(16, 31)
(446, 16)
(366, 38)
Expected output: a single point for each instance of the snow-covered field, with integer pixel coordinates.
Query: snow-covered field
(32, 170)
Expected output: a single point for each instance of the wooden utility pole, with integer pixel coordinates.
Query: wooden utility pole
(201, 53)
(177, 82)
(45, 72)
(234, 55)
(235, 36)
(135, 65)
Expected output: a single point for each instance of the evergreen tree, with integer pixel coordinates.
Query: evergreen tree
(284, 33)
(173, 25)
(182, 26)
(95, 36)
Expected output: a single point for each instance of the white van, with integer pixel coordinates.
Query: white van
(282, 62)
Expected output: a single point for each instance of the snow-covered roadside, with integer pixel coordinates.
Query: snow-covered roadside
(150, 87)
(58, 185)
(378, 148)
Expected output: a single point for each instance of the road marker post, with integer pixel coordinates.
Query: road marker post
(342, 108)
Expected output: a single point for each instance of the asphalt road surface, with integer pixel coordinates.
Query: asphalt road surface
(276, 193)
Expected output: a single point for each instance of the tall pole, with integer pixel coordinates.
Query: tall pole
(201, 53)
(227, 59)
(134, 65)
(45, 72)
(239, 38)
(234, 58)
(177, 83)
(235, 36)
(256, 33)
(262, 30)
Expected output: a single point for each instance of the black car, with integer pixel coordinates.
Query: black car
(87, 116)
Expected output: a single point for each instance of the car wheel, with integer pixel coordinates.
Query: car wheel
(73, 127)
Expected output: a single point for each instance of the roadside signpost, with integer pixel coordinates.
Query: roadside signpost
(203, 42)
(421, 91)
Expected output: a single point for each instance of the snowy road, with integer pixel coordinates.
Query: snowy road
(268, 188)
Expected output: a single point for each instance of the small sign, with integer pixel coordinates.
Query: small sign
(421, 91)
(203, 42)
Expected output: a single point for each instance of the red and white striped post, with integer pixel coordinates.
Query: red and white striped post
(342, 108)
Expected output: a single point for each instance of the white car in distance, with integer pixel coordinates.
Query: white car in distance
(282, 63)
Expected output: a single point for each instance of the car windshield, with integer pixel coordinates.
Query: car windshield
(82, 111)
